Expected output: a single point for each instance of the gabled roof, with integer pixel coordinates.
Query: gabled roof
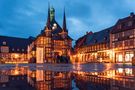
(123, 24)
(57, 37)
(102, 36)
(98, 37)
(80, 41)
(58, 29)
(15, 44)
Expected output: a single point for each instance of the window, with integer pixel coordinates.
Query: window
(4, 43)
(129, 56)
(95, 41)
(131, 42)
(126, 42)
(17, 49)
(119, 26)
(128, 33)
(13, 49)
(105, 38)
(129, 23)
(22, 49)
(4, 49)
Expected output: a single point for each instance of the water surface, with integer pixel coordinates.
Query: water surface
(67, 77)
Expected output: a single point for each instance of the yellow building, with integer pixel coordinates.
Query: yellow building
(14, 49)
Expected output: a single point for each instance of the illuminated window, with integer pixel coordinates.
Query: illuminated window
(120, 58)
(4, 49)
(120, 70)
(128, 71)
(129, 56)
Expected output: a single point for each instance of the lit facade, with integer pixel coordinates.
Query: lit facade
(122, 39)
(115, 44)
(13, 49)
(52, 42)
(120, 78)
(93, 47)
(50, 80)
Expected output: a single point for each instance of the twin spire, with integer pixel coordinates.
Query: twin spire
(48, 18)
(64, 22)
(48, 24)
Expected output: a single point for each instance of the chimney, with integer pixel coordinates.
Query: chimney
(131, 14)
(87, 32)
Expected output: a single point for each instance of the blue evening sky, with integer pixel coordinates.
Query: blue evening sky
(24, 18)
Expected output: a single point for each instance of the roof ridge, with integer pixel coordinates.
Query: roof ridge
(13, 37)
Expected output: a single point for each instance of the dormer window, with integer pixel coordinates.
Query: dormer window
(17, 49)
(105, 38)
(22, 49)
(119, 26)
(129, 23)
(4, 43)
(13, 49)
(95, 41)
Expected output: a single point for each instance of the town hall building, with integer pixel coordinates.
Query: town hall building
(53, 43)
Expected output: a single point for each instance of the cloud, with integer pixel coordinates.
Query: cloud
(76, 27)
(130, 4)
(27, 17)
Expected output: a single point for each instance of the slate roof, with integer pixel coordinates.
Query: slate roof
(102, 36)
(15, 44)
(98, 37)
(80, 41)
(57, 31)
(57, 37)
(124, 24)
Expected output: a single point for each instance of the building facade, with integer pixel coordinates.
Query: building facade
(122, 39)
(53, 43)
(13, 49)
(93, 47)
(115, 44)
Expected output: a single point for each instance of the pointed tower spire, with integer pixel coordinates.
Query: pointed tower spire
(48, 18)
(64, 22)
(52, 14)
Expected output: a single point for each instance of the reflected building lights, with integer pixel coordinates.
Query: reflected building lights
(54, 80)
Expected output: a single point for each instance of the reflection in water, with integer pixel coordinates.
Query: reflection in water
(27, 78)
(48, 80)
(22, 78)
(120, 79)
